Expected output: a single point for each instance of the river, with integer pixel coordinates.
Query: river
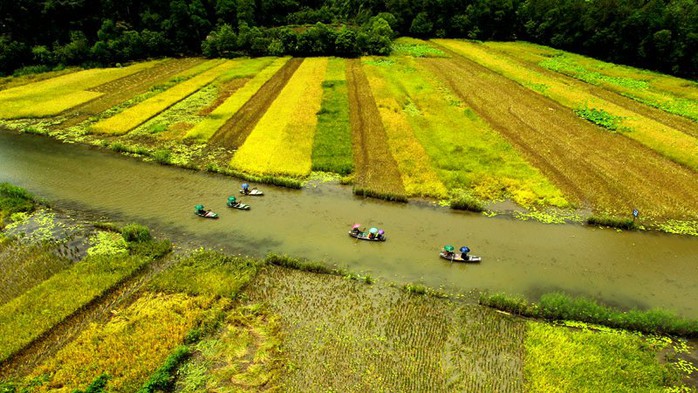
(627, 269)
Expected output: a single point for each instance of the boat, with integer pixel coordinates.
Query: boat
(246, 190)
(201, 212)
(373, 234)
(235, 204)
(449, 254)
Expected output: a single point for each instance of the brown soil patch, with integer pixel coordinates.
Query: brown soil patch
(224, 92)
(375, 167)
(122, 89)
(237, 128)
(608, 171)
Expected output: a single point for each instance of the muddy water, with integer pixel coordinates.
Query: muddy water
(623, 268)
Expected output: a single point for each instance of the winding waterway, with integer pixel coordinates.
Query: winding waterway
(630, 269)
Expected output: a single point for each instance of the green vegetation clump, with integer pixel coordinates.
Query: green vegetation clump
(559, 306)
(467, 202)
(301, 264)
(99, 385)
(599, 117)
(388, 196)
(13, 200)
(164, 377)
(136, 233)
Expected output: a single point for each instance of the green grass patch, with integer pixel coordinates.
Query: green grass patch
(13, 200)
(302, 264)
(332, 150)
(562, 359)
(559, 306)
(466, 202)
(371, 193)
(26, 317)
(599, 117)
(207, 272)
(406, 46)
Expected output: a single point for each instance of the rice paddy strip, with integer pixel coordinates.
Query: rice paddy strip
(418, 176)
(52, 96)
(342, 335)
(26, 317)
(668, 93)
(136, 115)
(206, 128)
(376, 171)
(23, 267)
(332, 151)
(676, 145)
(562, 360)
(282, 141)
(128, 348)
(467, 153)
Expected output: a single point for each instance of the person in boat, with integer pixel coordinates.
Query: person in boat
(233, 202)
(380, 235)
(200, 210)
(245, 188)
(355, 230)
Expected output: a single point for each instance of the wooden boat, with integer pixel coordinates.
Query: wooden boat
(238, 205)
(206, 214)
(365, 236)
(250, 191)
(458, 257)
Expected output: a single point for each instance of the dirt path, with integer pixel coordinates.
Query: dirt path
(97, 310)
(127, 87)
(375, 167)
(235, 131)
(592, 166)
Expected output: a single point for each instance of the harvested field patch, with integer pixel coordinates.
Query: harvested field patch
(52, 96)
(282, 141)
(123, 89)
(8, 82)
(332, 151)
(376, 171)
(394, 106)
(222, 114)
(672, 143)
(343, 335)
(136, 115)
(607, 171)
(234, 132)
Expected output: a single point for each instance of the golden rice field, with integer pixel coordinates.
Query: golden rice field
(204, 130)
(282, 141)
(52, 96)
(442, 120)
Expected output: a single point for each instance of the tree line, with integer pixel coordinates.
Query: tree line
(654, 34)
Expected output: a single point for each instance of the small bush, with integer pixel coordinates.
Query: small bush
(136, 233)
(467, 202)
(162, 156)
(97, 386)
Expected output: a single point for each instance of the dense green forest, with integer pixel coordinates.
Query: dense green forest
(654, 34)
